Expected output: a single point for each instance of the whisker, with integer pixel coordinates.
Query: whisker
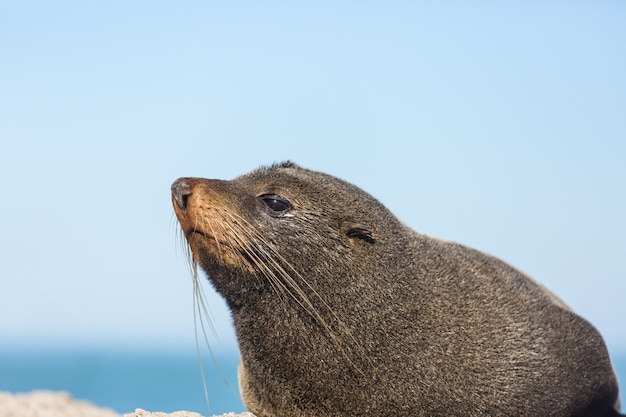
(201, 307)
(197, 316)
(270, 261)
(209, 223)
(251, 251)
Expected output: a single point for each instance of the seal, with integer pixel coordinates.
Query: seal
(340, 309)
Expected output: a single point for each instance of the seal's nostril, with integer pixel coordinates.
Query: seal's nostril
(181, 190)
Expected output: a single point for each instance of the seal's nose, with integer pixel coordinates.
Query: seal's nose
(181, 190)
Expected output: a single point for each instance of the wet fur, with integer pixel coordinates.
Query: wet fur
(342, 310)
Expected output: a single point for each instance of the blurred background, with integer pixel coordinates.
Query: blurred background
(497, 125)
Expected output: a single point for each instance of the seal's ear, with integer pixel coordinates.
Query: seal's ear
(357, 231)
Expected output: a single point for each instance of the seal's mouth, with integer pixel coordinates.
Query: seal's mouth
(205, 245)
(202, 237)
(194, 233)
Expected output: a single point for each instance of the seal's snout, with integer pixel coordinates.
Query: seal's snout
(181, 190)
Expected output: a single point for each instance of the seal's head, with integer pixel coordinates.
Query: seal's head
(266, 230)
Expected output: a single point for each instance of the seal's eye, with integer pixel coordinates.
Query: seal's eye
(276, 204)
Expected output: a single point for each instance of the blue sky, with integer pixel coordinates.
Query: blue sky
(500, 125)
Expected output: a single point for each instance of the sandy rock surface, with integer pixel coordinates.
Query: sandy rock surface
(61, 404)
(143, 413)
(48, 404)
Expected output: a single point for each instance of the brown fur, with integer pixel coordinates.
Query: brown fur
(342, 310)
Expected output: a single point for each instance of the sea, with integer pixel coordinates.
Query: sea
(153, 381)
(124, 381)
